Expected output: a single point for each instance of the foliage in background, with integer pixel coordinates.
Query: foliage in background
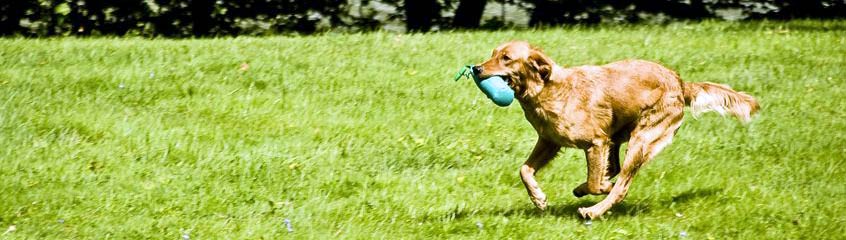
(182, 18)
(168, 17)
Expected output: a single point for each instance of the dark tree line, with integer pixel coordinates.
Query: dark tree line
(546, 12)
(166, 17)
(180, 18)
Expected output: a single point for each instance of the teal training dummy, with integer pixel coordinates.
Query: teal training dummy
(494, 87)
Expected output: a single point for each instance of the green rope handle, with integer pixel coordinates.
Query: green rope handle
(465, 71)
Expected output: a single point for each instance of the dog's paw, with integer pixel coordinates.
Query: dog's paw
(578, 192)
(582, 189)
(589, 213)
(540, 202)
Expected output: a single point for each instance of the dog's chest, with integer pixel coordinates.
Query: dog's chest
(558, 121)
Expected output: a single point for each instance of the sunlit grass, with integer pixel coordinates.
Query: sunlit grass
(366, 136)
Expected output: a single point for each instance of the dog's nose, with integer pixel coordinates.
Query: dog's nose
(477, 69)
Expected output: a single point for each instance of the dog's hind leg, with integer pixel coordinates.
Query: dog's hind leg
(543, 152)
(647, 140)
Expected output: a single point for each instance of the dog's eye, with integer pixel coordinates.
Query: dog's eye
(506, 58)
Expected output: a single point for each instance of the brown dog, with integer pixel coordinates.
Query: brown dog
(598, 108)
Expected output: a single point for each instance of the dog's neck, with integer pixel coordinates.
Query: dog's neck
(532, 88)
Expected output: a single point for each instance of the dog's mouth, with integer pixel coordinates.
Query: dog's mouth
(505, 77)
(507, 80)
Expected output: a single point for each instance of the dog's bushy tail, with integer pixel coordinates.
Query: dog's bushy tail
(705, 97)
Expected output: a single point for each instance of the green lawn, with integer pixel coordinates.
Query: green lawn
(366, 136)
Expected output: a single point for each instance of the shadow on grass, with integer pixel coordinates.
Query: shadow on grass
(693, 194)
(527, 210)
(569, 209)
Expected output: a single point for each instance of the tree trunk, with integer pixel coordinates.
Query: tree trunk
(546, 12)
(77, 19)
(53, 21)
(201, 11)
(11, 13)
(419, 14)
(469, 13)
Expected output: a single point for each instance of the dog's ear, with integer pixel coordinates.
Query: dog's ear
(541, 63)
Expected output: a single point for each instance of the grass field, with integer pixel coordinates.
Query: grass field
(366, 136)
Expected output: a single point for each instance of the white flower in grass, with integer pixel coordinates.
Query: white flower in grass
(288, 225)
(11, 229)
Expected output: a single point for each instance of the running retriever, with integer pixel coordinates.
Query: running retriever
(598, 108)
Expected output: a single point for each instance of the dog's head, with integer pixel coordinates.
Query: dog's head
(522, 65)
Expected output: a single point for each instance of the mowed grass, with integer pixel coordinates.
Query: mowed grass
(366, 136)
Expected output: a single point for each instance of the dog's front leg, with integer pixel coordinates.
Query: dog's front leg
(543, 152)
(597, 178)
